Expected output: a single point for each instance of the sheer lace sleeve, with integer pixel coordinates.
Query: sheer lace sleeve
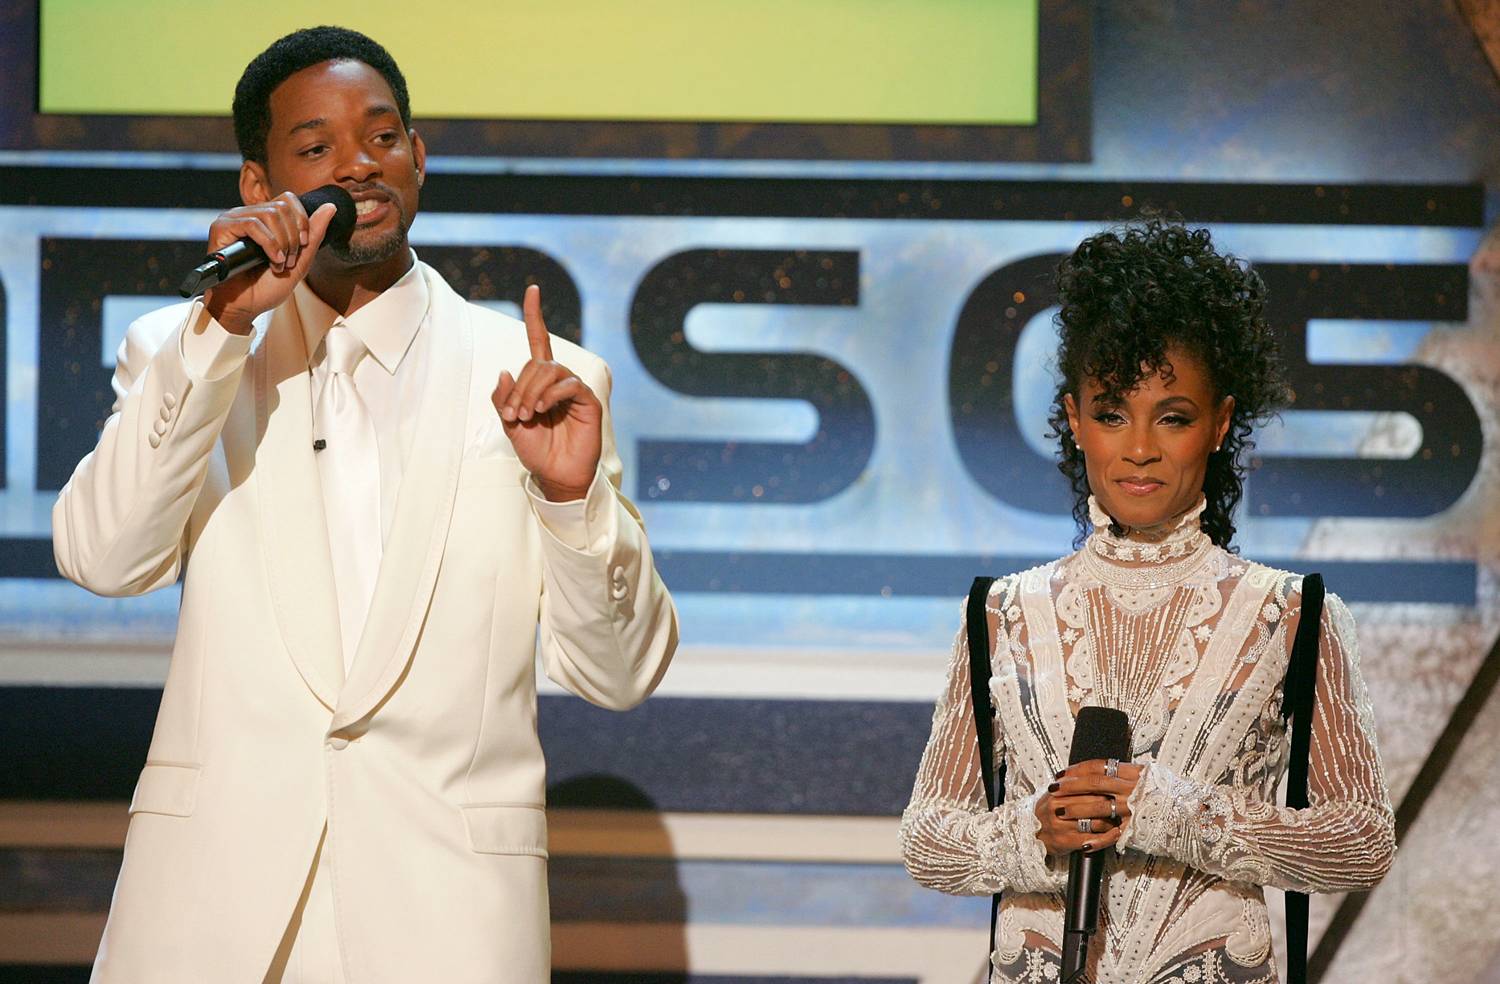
(950, 841)
(1343, 841)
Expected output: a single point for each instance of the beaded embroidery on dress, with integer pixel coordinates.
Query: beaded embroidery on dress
(1192, 643)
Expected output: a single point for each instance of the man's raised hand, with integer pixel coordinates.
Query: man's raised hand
(554, 421)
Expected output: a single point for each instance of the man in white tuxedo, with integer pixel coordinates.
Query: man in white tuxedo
(385, 500)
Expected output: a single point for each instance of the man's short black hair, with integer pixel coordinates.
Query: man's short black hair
(291, 54)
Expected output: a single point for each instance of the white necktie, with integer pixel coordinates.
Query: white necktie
(349, 465)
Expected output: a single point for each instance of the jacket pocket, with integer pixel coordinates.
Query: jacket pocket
(171, 790)
(506, 828)
(493, 470)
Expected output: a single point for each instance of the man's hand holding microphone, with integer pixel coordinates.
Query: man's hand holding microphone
(281, 238)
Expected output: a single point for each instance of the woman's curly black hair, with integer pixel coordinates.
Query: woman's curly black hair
(1129, 296)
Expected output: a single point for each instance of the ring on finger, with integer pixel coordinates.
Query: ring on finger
(1085, 826)
(1114, 809)
(1112, 768)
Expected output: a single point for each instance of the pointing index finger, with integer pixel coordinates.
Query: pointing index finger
(536, 329)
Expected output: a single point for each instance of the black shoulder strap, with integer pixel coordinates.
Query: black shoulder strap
(978, 624)
(979, 686)
(1298, 693)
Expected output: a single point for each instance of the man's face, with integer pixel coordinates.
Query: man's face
(337, 123)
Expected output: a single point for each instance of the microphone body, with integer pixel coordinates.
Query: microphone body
(245, 253)
(1098, 733)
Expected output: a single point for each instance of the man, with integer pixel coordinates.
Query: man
(386, 494)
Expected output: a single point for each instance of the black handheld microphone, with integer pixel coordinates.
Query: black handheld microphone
(1098, 733)
(245, 254)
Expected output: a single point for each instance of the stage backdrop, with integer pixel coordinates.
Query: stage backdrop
(831, 382)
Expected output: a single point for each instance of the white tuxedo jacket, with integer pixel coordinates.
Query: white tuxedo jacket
(424, 764)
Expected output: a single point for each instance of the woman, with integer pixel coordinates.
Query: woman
(1166, 364)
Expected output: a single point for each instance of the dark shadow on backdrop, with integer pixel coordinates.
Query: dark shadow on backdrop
(619, 890)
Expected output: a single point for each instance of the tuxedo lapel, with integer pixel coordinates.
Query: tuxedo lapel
(294, 532)
(424, 506)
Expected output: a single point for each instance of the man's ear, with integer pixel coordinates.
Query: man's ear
(418, 155)
(255, 184)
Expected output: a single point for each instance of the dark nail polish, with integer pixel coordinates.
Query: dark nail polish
(1088, 847)
(1058, 775)
(1059, 811)
(1053, 788)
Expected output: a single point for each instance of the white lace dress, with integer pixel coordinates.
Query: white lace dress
(1192, 643)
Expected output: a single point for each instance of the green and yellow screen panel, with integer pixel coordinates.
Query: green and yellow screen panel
(941, 62)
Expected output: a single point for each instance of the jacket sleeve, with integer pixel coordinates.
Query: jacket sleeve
(118, 525)
(950, 840)
(1343, 841)
(608, 625)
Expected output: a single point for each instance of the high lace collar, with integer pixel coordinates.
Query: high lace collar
(1146, 557)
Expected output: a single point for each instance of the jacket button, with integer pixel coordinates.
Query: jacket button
(155, 441)
(338, 744)
(168, 400)
(161, 427)
(166, 413)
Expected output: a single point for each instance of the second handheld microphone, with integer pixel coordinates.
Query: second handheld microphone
(1098, 733)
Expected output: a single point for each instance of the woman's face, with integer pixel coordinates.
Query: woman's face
(1146, 453)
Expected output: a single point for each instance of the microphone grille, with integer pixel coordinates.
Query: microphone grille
(342, 226)
(1100, 733)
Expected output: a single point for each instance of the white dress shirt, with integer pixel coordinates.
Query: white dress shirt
(389, 379)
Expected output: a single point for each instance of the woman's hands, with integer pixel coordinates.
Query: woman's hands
(1085, 792)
